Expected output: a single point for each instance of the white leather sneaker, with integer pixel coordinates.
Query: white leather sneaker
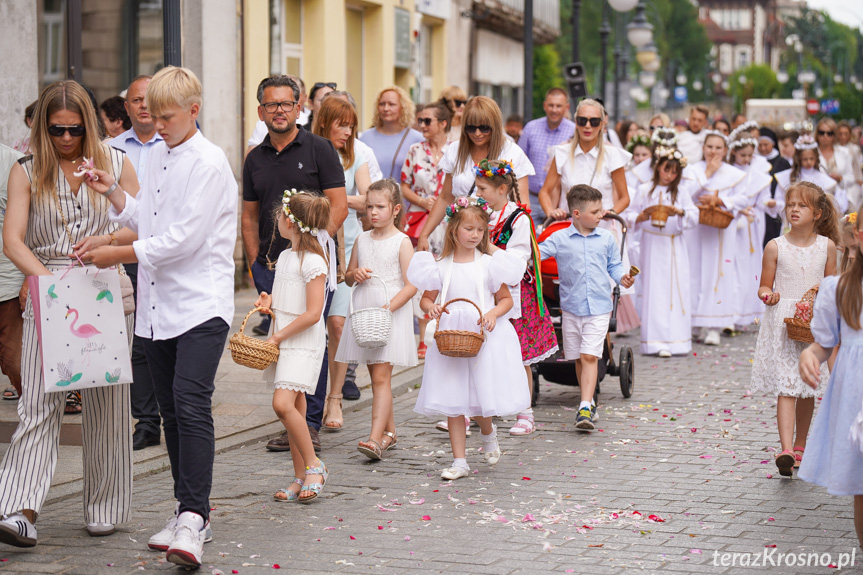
(187, 544)
(99, 529)
(712, 337)
(162, 540)
(454, 472)
(17, 530)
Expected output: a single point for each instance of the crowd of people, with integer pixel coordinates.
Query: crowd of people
(432, 215)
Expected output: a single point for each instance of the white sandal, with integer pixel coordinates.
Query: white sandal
(444, 426)
(524, 425)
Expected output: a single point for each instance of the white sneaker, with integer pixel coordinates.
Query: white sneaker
(100, 529)
(17, 530)
(664, 353)
(187, 544)
(454, 472)
(712, 337)
(162, 540)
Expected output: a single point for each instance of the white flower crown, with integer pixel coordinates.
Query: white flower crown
(744, 127)
(671, 154)
(805, 142)
(286, 207)
(742, 143)
(716, 133)
(663, 135)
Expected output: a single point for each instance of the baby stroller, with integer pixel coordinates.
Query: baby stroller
(557, 369)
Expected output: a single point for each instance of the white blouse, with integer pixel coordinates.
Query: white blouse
(580, 168)
(463, 181)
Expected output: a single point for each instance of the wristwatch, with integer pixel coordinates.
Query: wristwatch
(111, 189)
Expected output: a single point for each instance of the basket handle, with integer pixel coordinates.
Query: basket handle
(437, 321)
(373, 277)
(251, 313)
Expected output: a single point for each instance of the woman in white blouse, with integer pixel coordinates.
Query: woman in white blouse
(836, 161)
(483, 137)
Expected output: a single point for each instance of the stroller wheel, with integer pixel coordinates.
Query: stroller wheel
(626, 368)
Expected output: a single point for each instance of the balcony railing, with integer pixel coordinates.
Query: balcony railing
(507, 17)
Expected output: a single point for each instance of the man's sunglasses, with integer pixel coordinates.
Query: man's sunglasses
(319, 85)
(823, 133)
(425, 121)
(582, 121)
(485, 129)
(75, 131)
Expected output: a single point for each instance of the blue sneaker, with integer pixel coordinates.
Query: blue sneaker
(585, 419)
(593, 414)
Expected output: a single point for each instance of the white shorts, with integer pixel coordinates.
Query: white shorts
(584, 334)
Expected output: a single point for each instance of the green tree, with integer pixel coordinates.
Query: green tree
(850, 105)
(760, 82)
(546, 75)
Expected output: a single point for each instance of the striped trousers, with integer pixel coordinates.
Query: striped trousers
(28, 466)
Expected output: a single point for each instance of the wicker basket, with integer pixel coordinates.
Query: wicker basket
(250, 351)
(714, 216)
(459, 343)
(798, 329)
(371, 326)
(658, 214)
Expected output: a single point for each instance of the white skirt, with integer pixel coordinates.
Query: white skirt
(402, 346)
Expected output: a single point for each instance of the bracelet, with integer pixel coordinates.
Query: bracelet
(113, 239)
(111, 189)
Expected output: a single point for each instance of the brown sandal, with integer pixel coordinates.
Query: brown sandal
(393, 440)
(333, 423)
(73, 403)
(371, 449)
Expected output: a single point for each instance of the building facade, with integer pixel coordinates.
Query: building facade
(743, 32)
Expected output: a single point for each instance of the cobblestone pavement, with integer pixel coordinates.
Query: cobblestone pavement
(674, 477)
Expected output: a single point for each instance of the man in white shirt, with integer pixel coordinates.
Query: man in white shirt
(137, 142)
(691, 141)
(186, 219)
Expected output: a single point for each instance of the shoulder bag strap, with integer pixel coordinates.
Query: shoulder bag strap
(396, 155)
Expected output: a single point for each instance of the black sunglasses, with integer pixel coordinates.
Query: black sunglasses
(459, 103)
(823, 133)
(319, 85)
(425, 121)
(485, 129)
(75, 131)
(582, 121)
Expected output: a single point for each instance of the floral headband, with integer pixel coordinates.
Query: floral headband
(639, 140)
(850, 218)
(663, 135)
(484, 169)
(805, 142)
(671, 154)
(463, 202)
(715, 133)
(286, 207)
(742, 143)
(744, 127)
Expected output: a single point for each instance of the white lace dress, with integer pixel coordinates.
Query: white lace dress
(382, 257)
(775, 367)
(301, 356)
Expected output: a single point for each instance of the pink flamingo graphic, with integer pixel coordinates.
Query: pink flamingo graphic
(84, 331)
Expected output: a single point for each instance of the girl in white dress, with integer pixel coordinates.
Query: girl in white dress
(749, 225)
(793, 264)
(492, 382)
(483, 138)
(297, 303)
(665, 322)
(807, 168)
(589, 160)
(711, 253)
(381, 256)
(642, 153)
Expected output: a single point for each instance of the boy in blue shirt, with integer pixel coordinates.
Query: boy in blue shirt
(586, 255)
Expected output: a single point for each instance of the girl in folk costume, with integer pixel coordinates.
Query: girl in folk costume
(511, 229)
(712, 249)
(590, 160)
(386, 252)
(807, 168)
(749, 225)
(665, 323)
(793, 264)
(492, 382)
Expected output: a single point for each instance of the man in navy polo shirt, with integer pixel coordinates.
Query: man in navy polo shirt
(287, 158)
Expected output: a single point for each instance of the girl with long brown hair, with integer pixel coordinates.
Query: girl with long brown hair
(51, 212)
(835, 459)
(793, 264)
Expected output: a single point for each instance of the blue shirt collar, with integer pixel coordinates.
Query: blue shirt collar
(574, 231)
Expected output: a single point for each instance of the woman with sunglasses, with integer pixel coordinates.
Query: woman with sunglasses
(49, 213)
(836, 161)
(316, 97)
(456, 99)
(483, 138)
(391, 135)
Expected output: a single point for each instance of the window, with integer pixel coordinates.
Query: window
(52, 43)
(426, 64)
(292, 46)
(726, 59)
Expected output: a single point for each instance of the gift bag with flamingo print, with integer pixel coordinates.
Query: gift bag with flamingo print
(81, 328)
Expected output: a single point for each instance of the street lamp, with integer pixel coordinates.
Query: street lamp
(742, 79)
(782, 75)
(819, 91)
(806, 77)
(647, 57)
(647, 79)
(623, 5)
(838, 78)
(681, 78)
(717, 77)
(697, 85)
(639, 32)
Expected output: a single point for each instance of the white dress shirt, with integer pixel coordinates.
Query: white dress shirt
(137, 151)
(692, 145)
(186, 219)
